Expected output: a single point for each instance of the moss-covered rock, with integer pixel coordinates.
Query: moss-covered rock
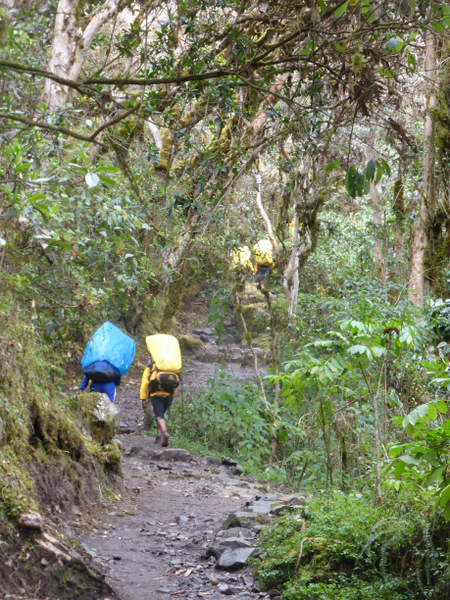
(256, 318)
(189, 343)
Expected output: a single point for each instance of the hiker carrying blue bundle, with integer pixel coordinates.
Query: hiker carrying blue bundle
(108, 355)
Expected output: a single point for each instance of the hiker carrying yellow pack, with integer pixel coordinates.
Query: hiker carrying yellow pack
(263, 257)
(241, 259)
(160, 382)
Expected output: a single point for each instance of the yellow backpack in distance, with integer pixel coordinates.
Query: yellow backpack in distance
(241, 258)
(165, 363)
(262, 253)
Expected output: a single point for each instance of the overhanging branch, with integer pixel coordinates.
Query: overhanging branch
(55, 128)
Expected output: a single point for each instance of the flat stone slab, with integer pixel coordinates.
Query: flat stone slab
(226, 544)
(150, 451)
(262, 507)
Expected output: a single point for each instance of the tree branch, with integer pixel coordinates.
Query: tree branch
(55, 128)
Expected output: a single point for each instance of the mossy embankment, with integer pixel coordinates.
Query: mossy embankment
(47, 465)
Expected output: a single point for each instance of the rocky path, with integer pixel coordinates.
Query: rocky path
(153, 543)
(183, 526)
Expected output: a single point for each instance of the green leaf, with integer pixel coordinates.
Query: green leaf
(350, 181)
(358, 349)
(379, 173)
(386, 167)
(378, 350)
(444, 496)
(441, 406)
(446, 513)
(409, 460)
(37, 196)
(432, 412)
(370, 170)
(422, 410)
(412, 64)
(333, 164)
(413, 417)
(322, 6)
(435, 474)
(395, 451)
(409, 429)
(399, 468)
(341, 10)
(437, 26)
(106, 180)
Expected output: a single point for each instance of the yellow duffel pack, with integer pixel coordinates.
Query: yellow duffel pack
(262, 253)
(165, 352)
(241, 258)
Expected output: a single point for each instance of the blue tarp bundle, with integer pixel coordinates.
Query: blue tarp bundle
(110, 344)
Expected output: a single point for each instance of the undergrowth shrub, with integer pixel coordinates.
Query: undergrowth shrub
(347, 547)
(229, 418)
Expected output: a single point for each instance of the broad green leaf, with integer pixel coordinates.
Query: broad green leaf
(37, 196)
(410, 430)
(432, 412)
(395, 451)
(351, 179)
(437, 26)
(358, 349)
(399, 468)
(444, 496)
(409, 460)
(341, 10)
(378, 350)
(441, 406)
(370, 169)
(435, 474)
(446, 513)
(413, 416)
(422, 410)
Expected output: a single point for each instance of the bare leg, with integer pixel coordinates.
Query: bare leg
(161, 426)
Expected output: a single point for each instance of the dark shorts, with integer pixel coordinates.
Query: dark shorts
(262, 272)
(160, 405)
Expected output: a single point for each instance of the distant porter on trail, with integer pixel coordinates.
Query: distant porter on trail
(108, 356)
(160, 382)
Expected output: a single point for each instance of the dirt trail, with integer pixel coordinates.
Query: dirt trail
(150, 542)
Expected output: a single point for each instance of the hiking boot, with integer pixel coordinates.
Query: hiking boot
(158, 439)
(165, 440)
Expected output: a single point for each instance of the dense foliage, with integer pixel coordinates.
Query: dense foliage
(344, 547)
(140, 142)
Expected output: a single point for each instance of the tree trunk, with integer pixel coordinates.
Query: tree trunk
(419, 238)
(290, 276)
(61, 53)
(265, 217)
(377, 220)
(70, 45)
(398, 206)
